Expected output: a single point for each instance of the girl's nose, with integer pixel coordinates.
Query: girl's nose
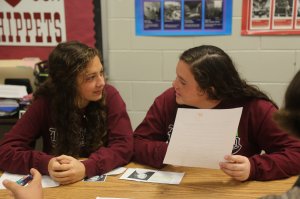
(101, 80)
(174, 83)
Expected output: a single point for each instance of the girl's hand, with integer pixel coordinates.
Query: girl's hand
(32, 191)
(236, 166)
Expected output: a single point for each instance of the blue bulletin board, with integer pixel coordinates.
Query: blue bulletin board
(183, 17)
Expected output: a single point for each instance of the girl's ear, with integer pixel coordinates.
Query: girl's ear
(211, 92)
(201, 91)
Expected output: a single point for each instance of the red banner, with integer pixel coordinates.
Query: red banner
(49, 27)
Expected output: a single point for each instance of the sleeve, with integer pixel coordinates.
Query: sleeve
(151, 136)
(120, 141)
(282, 152)
(17, 147)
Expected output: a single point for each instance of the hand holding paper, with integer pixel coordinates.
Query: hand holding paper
(236, 166)
(202, 137)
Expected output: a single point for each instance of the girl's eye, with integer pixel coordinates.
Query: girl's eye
(90, 78)
(181, 81)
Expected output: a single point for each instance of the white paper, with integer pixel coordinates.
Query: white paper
(12, 91)
(102, 178)
(8, 103)
(46, 180)
(154, 176)
(116, 171)
(202, 137)
(97, 178)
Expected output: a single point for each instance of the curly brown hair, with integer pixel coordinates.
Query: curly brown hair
(66, 62)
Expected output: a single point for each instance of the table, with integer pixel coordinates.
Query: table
(196, 183)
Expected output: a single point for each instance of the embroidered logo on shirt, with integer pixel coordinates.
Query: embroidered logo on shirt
(237, 145)
(53, 136)
(169, 133)
(81, 134)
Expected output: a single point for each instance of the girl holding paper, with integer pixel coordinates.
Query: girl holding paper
(207, 79)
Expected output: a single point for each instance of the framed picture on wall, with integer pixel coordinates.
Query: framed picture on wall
(271, 17)
(183, 17)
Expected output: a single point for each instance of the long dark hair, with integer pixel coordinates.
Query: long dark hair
(66, 62)
(288, 117)
(215, 73)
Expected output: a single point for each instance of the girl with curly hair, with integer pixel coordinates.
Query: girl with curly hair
(78, 115)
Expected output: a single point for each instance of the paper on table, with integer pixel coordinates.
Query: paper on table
(46, 180)
(102, 178)
(202, 137)
(147, 175)
(116, 171)
(12, 91)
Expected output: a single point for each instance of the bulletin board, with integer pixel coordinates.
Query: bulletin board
(183, 17)
(32, 28)
(271, 17)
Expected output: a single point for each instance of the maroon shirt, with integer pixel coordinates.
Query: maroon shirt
(256, 132)
(17, 155)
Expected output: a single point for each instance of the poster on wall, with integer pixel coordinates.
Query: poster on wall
(32, 28)
(271, 17)
(183, 17)
(26, 24)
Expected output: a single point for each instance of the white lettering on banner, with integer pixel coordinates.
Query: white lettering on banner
(32, 22)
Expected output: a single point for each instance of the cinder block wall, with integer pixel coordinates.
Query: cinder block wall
(142, 67)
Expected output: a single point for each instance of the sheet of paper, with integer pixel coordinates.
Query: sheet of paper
(12, 91)
(202, 137)
(116, 171)
(97, 178)
(154, 176)
(46, 180)
(102, 178)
